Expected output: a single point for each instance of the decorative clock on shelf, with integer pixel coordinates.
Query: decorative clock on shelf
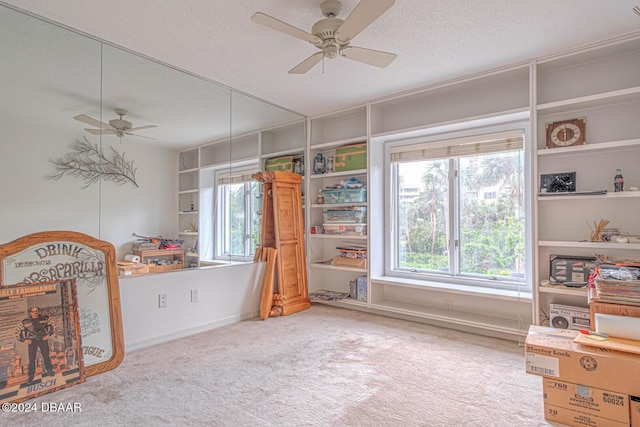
(566, 133)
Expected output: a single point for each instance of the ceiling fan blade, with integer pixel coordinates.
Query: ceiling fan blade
(91, 121)
(143, 127)
(307, 64)
(101, 131)
(361, 17)
(376, 58)
(283, 27)
(139, 136)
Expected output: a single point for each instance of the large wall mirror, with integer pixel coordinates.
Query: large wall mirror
(52, 75)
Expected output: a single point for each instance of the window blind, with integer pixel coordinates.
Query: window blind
(459, 147)
(235, 178)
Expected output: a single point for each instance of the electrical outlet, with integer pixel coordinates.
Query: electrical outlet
(194, 295)
(448, 304)
(162, 300)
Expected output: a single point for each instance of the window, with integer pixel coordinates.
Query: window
(457, 210)
(237, 225)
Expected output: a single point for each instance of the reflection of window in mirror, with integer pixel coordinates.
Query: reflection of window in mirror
(237, 225)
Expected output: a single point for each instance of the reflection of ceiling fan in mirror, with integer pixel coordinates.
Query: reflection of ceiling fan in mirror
(332, 35)
(119, 127)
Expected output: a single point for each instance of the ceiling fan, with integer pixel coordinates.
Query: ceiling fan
(333, 36)
(119, 127)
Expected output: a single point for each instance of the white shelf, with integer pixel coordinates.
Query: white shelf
(338, 174)
(591, 101)
(338, 205)
(187, 212)
(185, 171)
(295, 152)
(609, 195)
(214, 165)
(188, 191)
(336, 236)
(628, 143)
(335, 267)
(588, 245)
(564, 290)
(339, 143)
(188, 233)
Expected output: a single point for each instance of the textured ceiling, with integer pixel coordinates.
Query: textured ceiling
(436, 40)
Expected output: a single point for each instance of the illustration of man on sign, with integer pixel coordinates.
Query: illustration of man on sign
(35, 332)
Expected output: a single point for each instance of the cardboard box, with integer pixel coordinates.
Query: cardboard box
(361, 288)
(281, 164)
(552, 353)
(132, 269)
(634, 410)
(571, 417)
(581, 405)
(351, 157)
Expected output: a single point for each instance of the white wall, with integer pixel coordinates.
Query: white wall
(226, 295)
(105, 210)
(30, 203)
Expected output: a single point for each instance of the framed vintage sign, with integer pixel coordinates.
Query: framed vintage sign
(56, 255)
(40, 348)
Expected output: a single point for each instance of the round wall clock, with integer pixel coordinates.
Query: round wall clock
(566, 133)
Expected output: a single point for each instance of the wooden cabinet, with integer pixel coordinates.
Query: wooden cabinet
(283, 229)
(174, 259)
(596, 84)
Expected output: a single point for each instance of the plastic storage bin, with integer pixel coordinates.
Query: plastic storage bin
(345, 229)
(349, 195)
(342, 216)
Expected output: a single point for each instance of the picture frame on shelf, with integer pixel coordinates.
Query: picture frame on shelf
(560, 182)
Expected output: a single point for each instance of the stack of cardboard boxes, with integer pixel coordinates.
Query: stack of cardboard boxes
(584, 385)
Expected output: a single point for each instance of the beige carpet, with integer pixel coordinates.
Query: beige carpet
(322, 367)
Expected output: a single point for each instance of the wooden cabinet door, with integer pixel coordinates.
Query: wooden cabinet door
(283, 225)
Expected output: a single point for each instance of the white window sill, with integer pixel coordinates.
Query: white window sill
(454, 288)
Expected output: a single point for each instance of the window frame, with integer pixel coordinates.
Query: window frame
(391, 207)
(220, 213)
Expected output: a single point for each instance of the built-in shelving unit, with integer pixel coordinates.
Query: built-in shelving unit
(188, 203)
(326, 134)
(596, 84)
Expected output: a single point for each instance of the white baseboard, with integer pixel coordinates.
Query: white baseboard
(137, 345)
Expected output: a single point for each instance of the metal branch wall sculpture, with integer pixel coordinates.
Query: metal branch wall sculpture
(88, 162)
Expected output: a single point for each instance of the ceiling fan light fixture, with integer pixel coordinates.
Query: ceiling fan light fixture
(121, 124)
(331, 51)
